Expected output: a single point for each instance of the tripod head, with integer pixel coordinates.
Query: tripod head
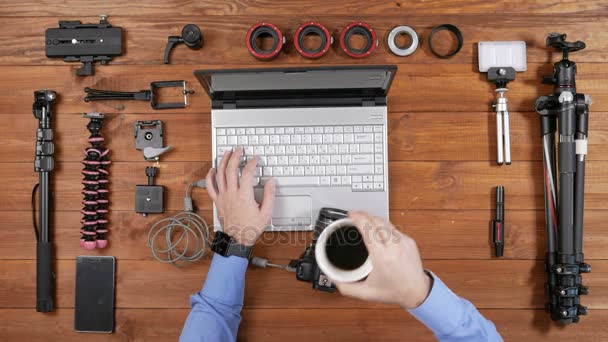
(564, 71)
(558, 41)
(43, 102)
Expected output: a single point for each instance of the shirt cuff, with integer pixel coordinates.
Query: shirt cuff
(441, 311)
(225, 281)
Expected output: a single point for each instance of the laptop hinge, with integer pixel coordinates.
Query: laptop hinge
(228, 105)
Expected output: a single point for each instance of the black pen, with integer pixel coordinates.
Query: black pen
(498, 224)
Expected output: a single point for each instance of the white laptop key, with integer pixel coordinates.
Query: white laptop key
(359, 169)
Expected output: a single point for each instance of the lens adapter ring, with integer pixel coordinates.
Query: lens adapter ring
(312, 28)
(364, 30)
(407, 50)
(452, 29)
(261, 30)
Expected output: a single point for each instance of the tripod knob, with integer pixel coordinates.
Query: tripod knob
(582, 310)
(192, 37)
(151, 173)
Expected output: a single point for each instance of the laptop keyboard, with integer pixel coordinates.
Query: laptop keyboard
(329, 156)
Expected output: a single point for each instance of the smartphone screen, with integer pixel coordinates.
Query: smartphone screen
(94, 306)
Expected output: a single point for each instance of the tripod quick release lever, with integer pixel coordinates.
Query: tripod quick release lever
(191, 36)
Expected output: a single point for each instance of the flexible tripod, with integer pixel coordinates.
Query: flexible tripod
(44, 165)
(95, 187)
(501, 77)
(567, 111)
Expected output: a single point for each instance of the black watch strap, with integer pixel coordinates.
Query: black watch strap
(225, 245)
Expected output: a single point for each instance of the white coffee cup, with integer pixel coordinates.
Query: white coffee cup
(330, 268)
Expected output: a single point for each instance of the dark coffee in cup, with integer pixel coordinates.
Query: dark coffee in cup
(345, 248)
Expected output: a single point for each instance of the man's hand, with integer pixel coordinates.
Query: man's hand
(397, 276)
(241, 216)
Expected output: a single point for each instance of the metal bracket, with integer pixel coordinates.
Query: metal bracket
(149, 139)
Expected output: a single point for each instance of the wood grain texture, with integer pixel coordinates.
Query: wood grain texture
(314, 7)
(441, 150)
(146, 37)
(412, 137)
(274, 325)
(519, 282)
(422, 88)
(439, 234)
(413, 185)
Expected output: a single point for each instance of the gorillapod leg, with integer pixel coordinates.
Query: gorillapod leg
(95, 187)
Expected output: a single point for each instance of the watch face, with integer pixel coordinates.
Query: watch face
(221, 242)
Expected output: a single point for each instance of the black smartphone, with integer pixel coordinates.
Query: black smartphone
(94, 305)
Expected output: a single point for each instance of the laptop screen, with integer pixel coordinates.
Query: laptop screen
(273, 84)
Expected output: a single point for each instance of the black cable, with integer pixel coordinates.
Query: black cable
(34, 224)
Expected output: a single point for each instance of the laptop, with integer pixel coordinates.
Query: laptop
(320, 132)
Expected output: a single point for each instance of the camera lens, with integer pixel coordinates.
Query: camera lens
(345, 248)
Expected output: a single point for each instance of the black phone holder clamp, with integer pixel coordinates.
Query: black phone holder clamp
(142, 95)
(86, 43)
(191, 36)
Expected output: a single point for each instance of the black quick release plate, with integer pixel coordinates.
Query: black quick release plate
(83, 41)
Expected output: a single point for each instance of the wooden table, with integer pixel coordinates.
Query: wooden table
(442, 165)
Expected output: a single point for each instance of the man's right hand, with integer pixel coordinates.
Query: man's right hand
(397, 276)
(241, 216)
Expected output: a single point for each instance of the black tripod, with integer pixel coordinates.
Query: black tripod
(44, 164)
(567, 111)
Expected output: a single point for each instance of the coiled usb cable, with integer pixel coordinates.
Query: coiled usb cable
(182, 238)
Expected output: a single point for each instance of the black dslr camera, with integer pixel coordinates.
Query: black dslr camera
(306, 267)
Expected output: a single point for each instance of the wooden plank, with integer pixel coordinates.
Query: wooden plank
(411, 136)
(397, 325)
(146, 37)
(417, 88)
(413, 185)
(315, 7)
(440, 234)
(487, 283)
(188, 135)
(309, 325)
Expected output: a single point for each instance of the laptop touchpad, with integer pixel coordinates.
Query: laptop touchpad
(292, 211)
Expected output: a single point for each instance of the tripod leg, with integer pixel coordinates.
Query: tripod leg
(507, 137)
(499, 138)
(567, 168)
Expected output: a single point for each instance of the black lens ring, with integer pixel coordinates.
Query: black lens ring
(360, 30)
(452, 29)
(260, 32)
(308, 30)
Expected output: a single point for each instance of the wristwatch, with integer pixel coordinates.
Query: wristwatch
(224, 245)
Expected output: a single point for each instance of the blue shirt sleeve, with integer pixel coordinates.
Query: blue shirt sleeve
(452, 318)
(216, 309)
